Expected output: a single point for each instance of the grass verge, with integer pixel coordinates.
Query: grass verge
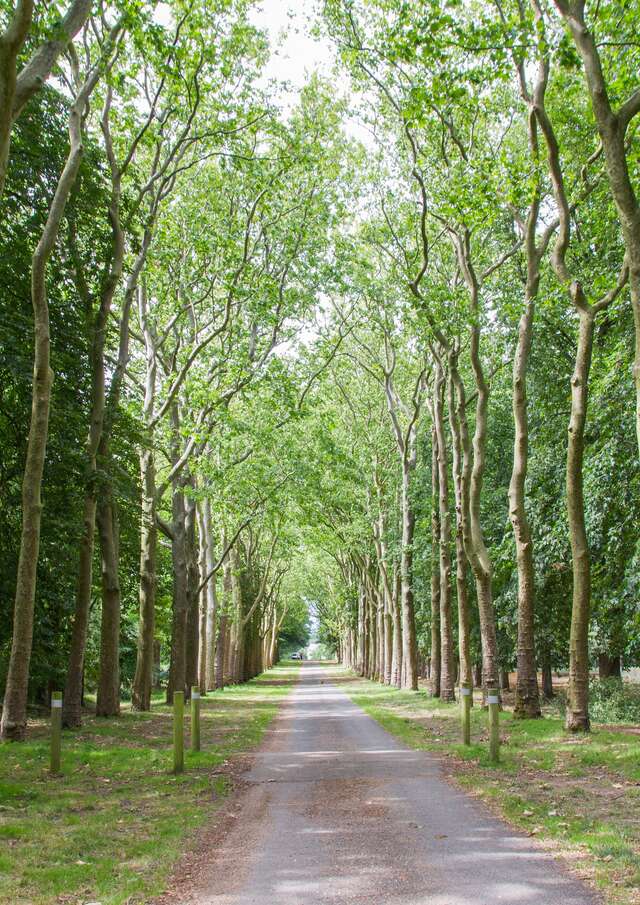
(580, 795)
(110, 828)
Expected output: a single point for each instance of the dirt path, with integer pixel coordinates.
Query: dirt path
(337, 812)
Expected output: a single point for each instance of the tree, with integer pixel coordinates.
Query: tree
(14, 709)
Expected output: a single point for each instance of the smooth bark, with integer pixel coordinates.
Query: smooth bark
(465, 670)
(17, 88)
(434, 664)
(473, 465)
(396, 616)
(447, 670)
(613, 126)
(11, 43)
(108, 698)
(577, 712)
(143, 679)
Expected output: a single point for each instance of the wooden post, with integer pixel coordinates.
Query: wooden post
(465, 707)
(56, 731)
(195, 718)
(493, 701)
(178, 731)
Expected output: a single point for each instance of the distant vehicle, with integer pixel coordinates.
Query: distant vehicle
(297, 656)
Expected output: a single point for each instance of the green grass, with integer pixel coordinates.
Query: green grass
(110, 828)
(579, 793)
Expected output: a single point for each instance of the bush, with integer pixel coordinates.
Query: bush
(613, 701)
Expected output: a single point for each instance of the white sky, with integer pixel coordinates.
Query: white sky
(295, 53)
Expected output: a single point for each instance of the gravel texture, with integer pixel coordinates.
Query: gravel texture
(335, 811)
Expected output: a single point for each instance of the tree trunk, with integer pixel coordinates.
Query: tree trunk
(381, 645)
(143, 679)
(203, 634)
(474, 461)
(465, 672)
(14, 712)
(178, 666)
(434, 663)
(547, 679)
(11, 43)
(609, 666)
(612, 127)
(447, 675)
(409, 646)
(367, 636)
(108, 700)
(472, 477)
(223, 629)
(97, 451)
(238, 628)
(527, 704)
(396, 615)
(577, 712)
(157, 651)
(209, 603)
(193, 598)
(72, 699)
(360, 661)
(388, 642)
(273, 643)
(220, 649)
(227, 654)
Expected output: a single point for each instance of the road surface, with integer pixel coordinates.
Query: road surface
(337, 812)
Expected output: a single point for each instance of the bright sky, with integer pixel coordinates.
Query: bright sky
(295, 53)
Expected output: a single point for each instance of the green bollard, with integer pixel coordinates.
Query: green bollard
(178, 731)
(56, 731)
(195, 718)
(493, 700)
(465, 705)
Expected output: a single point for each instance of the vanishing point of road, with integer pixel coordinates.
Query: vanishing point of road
(338, 812)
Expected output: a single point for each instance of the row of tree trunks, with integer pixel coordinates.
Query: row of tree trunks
(380, 621)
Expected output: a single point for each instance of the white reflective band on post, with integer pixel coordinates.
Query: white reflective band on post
(56, 702)
(195, 695)
(465, 691)
(493, 699)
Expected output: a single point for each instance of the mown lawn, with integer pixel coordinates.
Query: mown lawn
(580, 794)
(110, 828)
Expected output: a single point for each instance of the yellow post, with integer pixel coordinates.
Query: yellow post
(465, 708)
(493, 700)
(178, 731)
(56, 731)
(195, 718)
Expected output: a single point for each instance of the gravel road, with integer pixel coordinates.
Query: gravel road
(337, 812)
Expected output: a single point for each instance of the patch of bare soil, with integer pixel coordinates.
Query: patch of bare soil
(625, 728)
(219, 847)
(217, 855)
(343, 680)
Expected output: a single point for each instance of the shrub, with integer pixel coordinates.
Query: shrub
(613, 701)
